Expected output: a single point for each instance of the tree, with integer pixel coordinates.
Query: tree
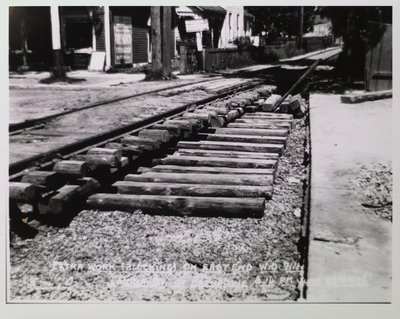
(160, 43)
(59, 72)
(155, 40)
(276, 20)
(360, 28)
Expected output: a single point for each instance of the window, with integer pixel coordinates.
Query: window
(230, 27)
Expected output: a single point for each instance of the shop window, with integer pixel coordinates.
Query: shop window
(78, 35)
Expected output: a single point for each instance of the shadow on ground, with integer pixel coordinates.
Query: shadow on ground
(64, 79)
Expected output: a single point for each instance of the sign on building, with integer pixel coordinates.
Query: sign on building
(198, 25)
(123, 39)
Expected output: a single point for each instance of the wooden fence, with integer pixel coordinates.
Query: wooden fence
(378, 62)
(219, 59)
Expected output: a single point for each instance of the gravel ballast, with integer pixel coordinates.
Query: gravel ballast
(121, 256)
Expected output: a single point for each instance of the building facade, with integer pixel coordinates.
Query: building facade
(122, 33)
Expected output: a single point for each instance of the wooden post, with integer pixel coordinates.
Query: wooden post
(155, 40)
(24, 43)
(166, 42)
(56, 41)
(207, 61)
(182, 59)
(107, 36)
(301, 27)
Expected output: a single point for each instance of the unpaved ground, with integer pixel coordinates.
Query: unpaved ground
(374, 183)
(350, 255)
(76, 126)
(43, 100)
(154, 258)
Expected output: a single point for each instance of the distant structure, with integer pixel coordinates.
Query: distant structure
(119, 35)
(322, 27)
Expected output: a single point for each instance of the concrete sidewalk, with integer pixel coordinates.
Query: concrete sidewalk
(350, 247)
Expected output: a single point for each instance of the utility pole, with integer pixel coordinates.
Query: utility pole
(155, 41)
(166, 42)
(56, 41)
(107, 36)
(301, 27)
(24, 42)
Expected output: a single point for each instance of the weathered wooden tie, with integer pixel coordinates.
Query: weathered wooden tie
(230, 154)
(216, 161)
(247, 131)
(247, 138)
(232, 146)
(180, 189)
(205, 170)
(197, 178)
(180, 205)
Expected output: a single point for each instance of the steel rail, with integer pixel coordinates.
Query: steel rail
(40, 159)
(13, 128)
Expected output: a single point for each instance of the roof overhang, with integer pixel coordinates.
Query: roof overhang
(212, 10)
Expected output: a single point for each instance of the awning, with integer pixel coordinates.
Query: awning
(212, 9)
(199, 12)
(183, 11)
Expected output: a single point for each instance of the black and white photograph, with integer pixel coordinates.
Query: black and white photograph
(186, 154)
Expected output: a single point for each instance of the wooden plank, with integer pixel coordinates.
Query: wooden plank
(127, 150)
(367, 96)
(204, 117)
(245, 131)
(174, 130)
(269, 115)
(69, 195)
(206, 169)
(261, 120)
(251, 108)
(247, 139)
(23, 192)
(197, 178)
(103, 156)
(260, 126)
(232, 115)
(171, 189)
(143, 142)
(58, 202)
(48, 179)
(220, 109)
(269, 103)
(218, 121)
(181, 123)
(180, 205)
(73, 168)
(232, 146)
(229, 154)
(209, 161)
(161, 135)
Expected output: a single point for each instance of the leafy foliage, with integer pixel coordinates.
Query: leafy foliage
(276, 20)
(361, 28)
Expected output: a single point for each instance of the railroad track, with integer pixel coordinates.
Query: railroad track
(33, 146)
(221, 161)
(229, 172)
(217, 156)
(15, 128)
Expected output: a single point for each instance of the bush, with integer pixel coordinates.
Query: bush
(243, 43)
